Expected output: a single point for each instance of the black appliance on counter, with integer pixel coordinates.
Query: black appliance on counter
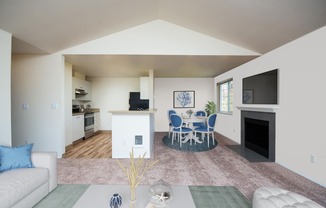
(75, 108)
(135, 103)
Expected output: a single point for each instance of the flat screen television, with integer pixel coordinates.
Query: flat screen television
(260, 88)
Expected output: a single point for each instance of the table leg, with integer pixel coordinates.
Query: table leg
(191, 136)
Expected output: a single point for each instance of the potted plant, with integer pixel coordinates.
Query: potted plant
(210, 108)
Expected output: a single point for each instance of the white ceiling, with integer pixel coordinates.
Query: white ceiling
(40, 26)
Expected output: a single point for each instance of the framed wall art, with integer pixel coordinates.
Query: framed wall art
(184, 99)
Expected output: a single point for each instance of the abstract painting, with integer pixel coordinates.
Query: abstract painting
(184, 99)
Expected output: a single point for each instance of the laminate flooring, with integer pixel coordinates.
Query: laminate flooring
(97, 146)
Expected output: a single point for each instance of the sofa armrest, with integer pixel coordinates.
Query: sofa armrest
(47, 160)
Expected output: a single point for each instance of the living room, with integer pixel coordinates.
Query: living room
(39, 81)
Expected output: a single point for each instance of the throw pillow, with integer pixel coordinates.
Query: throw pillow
(15, 157)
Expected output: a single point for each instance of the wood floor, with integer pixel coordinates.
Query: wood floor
(97, 146)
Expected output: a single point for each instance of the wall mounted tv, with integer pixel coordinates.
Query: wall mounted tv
(260, 88)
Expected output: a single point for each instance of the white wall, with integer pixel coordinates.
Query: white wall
(5, 81)
(158, 38)
(68, 104)
(300, 119)
(163, 96)
(38, 80)
(112, 94)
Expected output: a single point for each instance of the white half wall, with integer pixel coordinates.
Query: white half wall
(5, 88)
(163, 96)
(300, 119)
(110, 94)
(38, 101)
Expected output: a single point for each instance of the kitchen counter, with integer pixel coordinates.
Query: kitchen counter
(79, 113)
(93, 110)
(133, 112)
(132, 129)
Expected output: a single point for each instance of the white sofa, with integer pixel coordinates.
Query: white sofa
(24, 187)
(274, 197)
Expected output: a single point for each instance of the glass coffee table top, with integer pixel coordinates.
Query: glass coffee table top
(99, 196)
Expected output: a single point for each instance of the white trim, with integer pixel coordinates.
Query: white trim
(259, 108)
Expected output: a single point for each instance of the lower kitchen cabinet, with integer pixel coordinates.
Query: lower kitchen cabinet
(77, 127)
(96, 122)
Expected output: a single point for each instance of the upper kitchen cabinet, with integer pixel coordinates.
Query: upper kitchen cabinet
(81, 89)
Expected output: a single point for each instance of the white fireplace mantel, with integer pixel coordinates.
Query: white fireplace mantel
(259, 108)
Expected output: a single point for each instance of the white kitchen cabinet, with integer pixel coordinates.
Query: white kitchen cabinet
(83, 85)
(96, 122)
(77, 127)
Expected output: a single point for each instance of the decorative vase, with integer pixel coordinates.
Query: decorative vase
(132, 200)
(132, 203)
(115, 201)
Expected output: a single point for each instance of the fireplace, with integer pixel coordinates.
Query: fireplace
(258, 133)
(256, 136)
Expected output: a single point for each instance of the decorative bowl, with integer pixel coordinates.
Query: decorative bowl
(160, 194)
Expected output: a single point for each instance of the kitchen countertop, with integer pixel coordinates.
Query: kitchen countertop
(79, 113)
(93, 110)
(133, 112)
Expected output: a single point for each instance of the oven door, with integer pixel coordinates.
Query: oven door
(89, 121)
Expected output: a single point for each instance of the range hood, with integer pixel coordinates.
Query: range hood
(80, 92)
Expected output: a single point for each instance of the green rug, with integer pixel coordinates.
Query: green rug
(218, 196)
(65, 196)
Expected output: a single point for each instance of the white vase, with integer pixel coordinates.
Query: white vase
(132, 203)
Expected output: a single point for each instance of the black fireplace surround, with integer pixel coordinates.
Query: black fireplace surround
(258, 133)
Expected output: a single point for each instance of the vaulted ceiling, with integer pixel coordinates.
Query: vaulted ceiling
(40, 26)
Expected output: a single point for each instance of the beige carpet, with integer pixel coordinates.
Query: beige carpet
(220, 167)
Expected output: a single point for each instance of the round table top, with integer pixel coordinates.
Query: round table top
(193, 119)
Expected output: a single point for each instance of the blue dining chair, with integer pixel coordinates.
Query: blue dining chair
(178, 129)
(170, 112)
(199, 113)
(208, 128)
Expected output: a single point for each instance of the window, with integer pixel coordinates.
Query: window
(225, 96)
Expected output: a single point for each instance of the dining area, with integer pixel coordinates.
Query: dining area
(192, 129)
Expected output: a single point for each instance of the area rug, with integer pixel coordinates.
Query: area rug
(218, 196)
(198, 147)
(65, 196)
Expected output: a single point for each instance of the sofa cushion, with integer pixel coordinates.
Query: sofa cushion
(15, 157)
(274, 197)
(17, 183)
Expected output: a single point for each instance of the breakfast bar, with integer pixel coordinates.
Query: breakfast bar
(132, 129)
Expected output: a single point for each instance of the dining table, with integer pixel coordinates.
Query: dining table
(189, 121)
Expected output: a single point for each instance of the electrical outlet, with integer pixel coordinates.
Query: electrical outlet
(25, 106)
(54, 105)
(312, 158)
(124, 142)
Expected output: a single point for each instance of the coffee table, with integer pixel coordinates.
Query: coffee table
(99, 196)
